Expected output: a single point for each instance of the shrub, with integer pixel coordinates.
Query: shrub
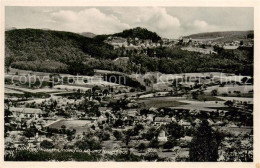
(46, 144)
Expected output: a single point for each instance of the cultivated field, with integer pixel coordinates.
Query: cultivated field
(78, 125)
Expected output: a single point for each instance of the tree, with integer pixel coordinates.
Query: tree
(8, 61)
(174, 130)
(229, 103)
(214, 92)
(95, 88)
(168, 145)
(118, 123)
(88, 143)
(141, 147)
(46, 144)
(24, 141)
(63, 128)
(204, 145)
(117, 135)
(103, 135)
(244, 79)
(154, 143)
(151, 133)
(88, 94)
(105, 92)
(7, 118)
(250, 35)
(27, 95)
(151, 155)
(137, 128)
(7, 115)
(127, 135)
(194, 95)
(29, 133)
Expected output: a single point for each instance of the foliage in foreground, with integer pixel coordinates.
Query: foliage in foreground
(27, 155)
(54, 155)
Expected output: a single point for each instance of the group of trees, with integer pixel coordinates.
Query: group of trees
(205, 143)
(140, 33)
(175, 60)
(124, 80)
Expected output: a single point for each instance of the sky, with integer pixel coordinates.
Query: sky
(168, 22)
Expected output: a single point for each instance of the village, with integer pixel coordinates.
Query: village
(63, 112)
(204, 46)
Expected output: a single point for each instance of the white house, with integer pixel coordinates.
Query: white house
(162, 137)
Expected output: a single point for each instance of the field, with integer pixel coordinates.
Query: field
(230, 89)
(22, 89)
(158, 102)
(199, 105)
(11, 91)
(243, 99)
(208, 98)
(78, 125)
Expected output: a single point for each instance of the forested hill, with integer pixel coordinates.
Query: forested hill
(138, 32)
(65, 52)
(36, 44)
(225, 35)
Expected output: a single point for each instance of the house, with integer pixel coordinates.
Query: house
(184, 123)
(210, 121)
(102, 118)
(162, 137)
(26, 112)
(219, 123)
(162, 120)
(197, 122)
(230, 47)
(150, 117)
(186, 139)
(132, 112)
(153, 109)
(174, 119)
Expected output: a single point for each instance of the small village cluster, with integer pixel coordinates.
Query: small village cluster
(204, 46)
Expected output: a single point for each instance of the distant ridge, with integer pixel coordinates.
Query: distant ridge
(88, 34)
(226, 35)
(10, 28)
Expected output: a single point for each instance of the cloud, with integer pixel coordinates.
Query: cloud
(153, 18)
(159, 18)
(202, 25)
(92, 20)
(99, 21)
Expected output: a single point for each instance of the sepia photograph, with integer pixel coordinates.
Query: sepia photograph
(128, 84)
